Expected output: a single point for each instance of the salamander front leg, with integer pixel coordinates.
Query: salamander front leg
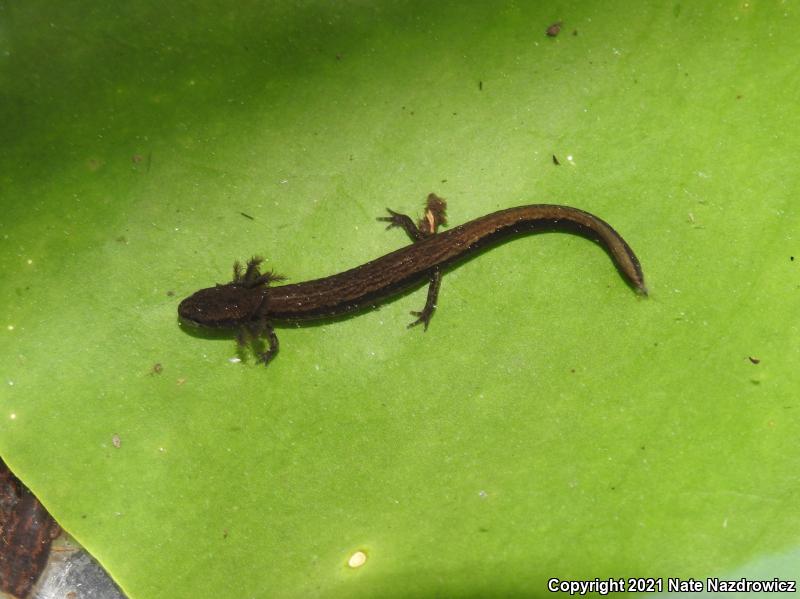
(424, 317)
(262, 327)
(272, 338)
(252, 331)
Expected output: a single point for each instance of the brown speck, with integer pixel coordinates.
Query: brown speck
(555, 160)
(181, 381)
(791, 258)
(115, 440)
(754, 360)
(170, 293)
(338, 57)
(554, 29)
(157, 368)
(122, 239)
(247, 216)
(575, 32)
(225, 534)
(137, 158)
(72, 595)
(739, 97)
(480, 85)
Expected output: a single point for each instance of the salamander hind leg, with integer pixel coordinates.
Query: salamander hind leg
(424, 317)
(435, 215)
(405, 222)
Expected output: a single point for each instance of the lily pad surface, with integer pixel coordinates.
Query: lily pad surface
(549, 424)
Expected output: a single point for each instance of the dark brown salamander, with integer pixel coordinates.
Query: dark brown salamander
(250, 304)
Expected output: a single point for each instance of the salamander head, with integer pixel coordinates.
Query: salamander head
(222, 307)
(233, 304)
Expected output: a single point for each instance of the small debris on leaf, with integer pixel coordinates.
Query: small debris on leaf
(554, 29)
(358, 559)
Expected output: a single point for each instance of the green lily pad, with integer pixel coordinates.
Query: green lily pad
(549, 424)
